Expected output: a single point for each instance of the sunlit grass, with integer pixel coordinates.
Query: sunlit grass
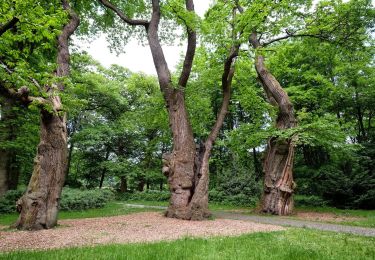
(289, 244)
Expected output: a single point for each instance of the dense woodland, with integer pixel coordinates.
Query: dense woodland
(273, 102)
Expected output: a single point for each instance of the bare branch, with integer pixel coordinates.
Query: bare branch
(122, 16)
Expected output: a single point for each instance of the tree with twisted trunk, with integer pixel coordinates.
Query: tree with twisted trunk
(187, 165)
(269, 22)
(39, 206)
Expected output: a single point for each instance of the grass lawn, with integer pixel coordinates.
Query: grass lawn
(289, 244)
(367, 215)
(111, 209)
(116, 208)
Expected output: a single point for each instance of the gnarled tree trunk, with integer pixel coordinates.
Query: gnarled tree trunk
(278, 163)
(39, 206)
(181, 161)
(186, 169)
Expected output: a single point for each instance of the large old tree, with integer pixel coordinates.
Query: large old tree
(266, 24)
(186, 166)
(38, 207)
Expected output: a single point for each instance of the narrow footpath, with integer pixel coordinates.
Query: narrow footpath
(370, 232)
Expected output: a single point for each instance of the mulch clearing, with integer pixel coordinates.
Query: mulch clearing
(134, 228)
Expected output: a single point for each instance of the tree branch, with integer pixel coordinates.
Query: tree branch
(122, 16)
(21, 95)
(9, 25)
(190, 51)
(63, 56)
(293, 35)
(160, 62)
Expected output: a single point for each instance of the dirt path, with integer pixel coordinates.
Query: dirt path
(298, 223)
(285, 222)
(139, 227)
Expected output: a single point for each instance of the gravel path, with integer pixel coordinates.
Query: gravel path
(284, 222)
(298, 223)
(139, 227)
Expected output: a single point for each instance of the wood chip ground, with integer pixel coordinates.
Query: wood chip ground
(139, 227)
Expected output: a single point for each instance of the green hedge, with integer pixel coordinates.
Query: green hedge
(214, 196)
(76, 199)
(148, 195)
(71, 199)
(309, 201)
(236, 200)
(8, 201)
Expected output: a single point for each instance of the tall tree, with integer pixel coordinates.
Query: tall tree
(38, 207)
(269, 22)
(186, 166)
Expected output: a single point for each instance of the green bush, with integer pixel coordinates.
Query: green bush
(309, 201)
(148, 195)
(71, 199)
(8, 201)
(239, 199)
(76, 199)
(214, 196)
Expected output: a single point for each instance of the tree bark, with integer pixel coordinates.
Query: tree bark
(104, 170)
(279, 186)
(38, 207)
(123, 184)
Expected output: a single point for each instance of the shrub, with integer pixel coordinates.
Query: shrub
(8, 201)
(239, 199)
(71, 199)
(148, 195)
(76, 199)
(309, 201)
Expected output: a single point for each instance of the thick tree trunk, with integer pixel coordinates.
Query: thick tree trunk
(278, 164)
(189, 198)
(39, 206)
(181, 160)
(187, 173)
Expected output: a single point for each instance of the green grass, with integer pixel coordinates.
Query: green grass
(368, 216)
(116, 208)
(213, 206)
(111, 209)
(289, 244)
